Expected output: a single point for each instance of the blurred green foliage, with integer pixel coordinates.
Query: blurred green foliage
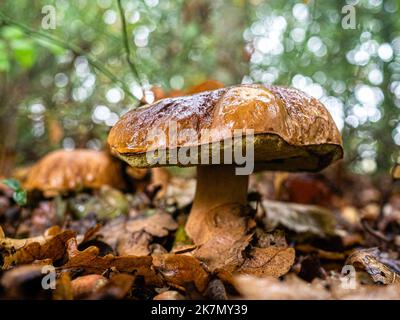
(52, 95)
(19, 195)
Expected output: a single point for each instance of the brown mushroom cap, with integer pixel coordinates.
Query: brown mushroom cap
(292, 130)
(396, 172)
(63, 171)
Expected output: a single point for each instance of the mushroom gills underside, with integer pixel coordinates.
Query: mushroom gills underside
(271, 152)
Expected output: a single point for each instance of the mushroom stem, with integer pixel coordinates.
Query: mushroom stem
(216, 185)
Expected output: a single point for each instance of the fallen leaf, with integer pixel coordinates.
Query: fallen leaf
(158, 225)
(224, 238)
(137, 244)
(48, 247)
(64, 288)
(299, 217)
(181, 270)
(270, 261)
(134, 237)
(368, 259)
(88, 261)
(118, 287)
(11, 245)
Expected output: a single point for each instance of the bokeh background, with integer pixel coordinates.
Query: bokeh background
(65, 87)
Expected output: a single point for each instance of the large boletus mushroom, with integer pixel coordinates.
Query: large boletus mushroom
(292, 132)
(63, 171)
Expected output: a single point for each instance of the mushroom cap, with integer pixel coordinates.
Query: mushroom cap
(292, 131)
(396, 172)
(62, 171)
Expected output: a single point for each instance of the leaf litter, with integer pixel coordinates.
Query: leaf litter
(269, 249)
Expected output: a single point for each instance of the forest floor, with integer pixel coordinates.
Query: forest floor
(302, 236)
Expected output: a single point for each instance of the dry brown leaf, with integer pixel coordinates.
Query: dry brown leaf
(368, 259)
(270, 261)
(90, 262)
(181, 270)
(158, 225)
(10, 245)
(224, 238)
(223, 252)
(118, 287)
(136, 244)
(134, 237)
(64, 289)
(51, 247)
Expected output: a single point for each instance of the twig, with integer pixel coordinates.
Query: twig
(126, 42)
(375, 233)
(75, 49)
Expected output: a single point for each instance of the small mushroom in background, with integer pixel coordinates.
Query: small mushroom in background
(21, 173)
(80, 182)
(63, 171)
(292, 132)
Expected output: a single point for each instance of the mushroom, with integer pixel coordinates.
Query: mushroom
(62, 171)
(292, 132)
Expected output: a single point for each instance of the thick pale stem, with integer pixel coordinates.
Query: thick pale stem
(216, 185)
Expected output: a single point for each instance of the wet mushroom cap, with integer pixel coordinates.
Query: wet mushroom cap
(62, 171)
(292, 131)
